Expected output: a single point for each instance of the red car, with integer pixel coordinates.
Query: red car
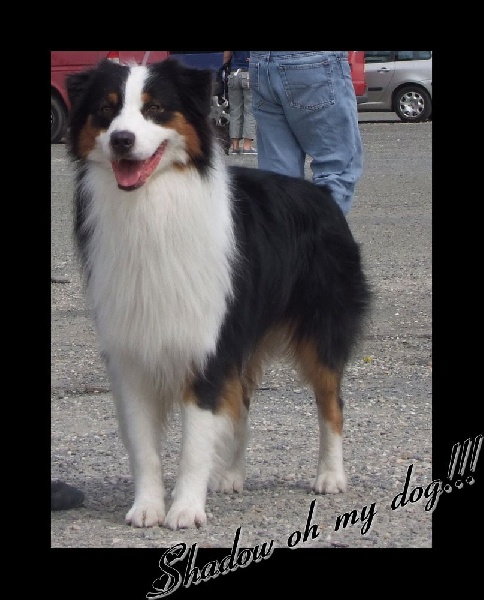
(64, 62)
(356, 58)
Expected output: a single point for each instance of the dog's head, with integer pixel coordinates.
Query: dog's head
(139, 121)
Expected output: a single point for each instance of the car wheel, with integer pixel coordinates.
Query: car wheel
(58, 120)
(412, 104)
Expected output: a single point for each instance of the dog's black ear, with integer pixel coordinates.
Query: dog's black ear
(198, 84)
(76, 85)
(194, 86)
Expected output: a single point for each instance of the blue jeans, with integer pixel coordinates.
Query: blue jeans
(304, 103)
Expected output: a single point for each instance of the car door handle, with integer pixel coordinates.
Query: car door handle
(384, 70)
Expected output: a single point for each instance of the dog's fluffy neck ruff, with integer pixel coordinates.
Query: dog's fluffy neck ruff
(160, 264)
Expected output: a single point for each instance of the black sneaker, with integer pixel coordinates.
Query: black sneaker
(64, 496)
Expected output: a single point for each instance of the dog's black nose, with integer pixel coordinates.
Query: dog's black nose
(122, 142)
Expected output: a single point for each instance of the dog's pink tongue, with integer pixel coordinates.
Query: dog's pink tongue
(128, 172)
(131, 174)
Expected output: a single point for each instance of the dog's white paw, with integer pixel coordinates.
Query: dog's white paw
(330, 482)
(229, 482)
(182, 515)
(146, 513)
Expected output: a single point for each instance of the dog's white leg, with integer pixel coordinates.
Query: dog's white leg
(236, 473)
(326, 382)
(330, 477)
(138, 412)
(229, 469)
(200, 430)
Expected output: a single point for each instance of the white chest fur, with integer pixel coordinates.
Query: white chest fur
(160, 260)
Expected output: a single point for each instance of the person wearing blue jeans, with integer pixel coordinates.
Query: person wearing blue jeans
(304, 104)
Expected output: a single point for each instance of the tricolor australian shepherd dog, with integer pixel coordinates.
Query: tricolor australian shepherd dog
(196, 274)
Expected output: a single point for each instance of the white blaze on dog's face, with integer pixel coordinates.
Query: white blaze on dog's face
(135, 145)
(137, 126)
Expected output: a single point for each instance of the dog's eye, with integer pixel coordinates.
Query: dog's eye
(106, 109)
(153, 107)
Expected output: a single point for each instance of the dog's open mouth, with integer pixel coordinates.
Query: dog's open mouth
(132, 174)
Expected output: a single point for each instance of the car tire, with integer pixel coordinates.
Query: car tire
(412, 104)
(58, 120)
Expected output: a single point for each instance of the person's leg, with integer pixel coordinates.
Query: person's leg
(248, 126)
(278, 148)
(342, 123)
(320, 105)
(236, 111)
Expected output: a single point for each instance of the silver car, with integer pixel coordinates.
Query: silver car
(399, 81)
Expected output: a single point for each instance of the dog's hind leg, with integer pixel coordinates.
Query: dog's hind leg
(228, 473)
(326, 383)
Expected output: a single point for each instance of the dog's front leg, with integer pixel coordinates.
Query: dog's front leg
(200, 429)
(138, 409)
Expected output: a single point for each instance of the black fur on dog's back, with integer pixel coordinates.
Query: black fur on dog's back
(298, 269)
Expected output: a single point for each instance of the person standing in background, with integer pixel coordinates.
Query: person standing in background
(304, 104)
(242, 123)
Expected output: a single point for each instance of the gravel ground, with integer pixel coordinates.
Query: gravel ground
(387, 391)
